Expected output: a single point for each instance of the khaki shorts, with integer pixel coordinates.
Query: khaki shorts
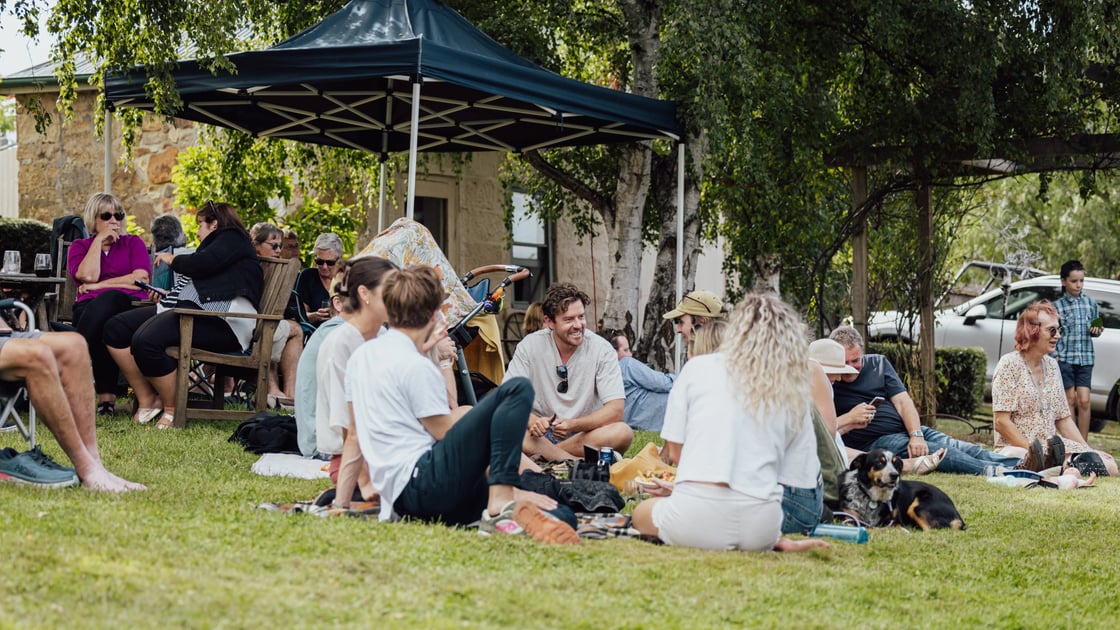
(31, 334)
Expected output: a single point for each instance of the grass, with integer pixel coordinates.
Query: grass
(194, 552)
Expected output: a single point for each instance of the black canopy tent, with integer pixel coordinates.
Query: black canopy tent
(393, 75)
(389, 75)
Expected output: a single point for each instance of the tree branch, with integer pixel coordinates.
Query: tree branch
(600, 202)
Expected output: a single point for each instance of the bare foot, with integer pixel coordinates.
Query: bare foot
(539, 500)
(102, 480)
(793, 546)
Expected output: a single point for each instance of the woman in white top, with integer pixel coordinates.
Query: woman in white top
(733, 420)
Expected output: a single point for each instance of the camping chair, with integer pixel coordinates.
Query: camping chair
(16, 393)
(279, 277)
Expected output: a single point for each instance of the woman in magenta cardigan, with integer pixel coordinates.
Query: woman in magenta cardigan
(105, 267)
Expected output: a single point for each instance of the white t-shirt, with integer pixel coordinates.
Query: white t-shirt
(594, 377)
(723, 442)
(391, 386)
(331, 414)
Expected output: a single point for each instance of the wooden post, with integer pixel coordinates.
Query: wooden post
(859, 253)
(927, 401)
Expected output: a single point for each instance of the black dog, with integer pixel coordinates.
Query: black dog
(872, 492)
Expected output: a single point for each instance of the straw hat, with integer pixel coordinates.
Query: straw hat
(830, 355)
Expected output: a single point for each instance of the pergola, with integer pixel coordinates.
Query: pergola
(1033, 155)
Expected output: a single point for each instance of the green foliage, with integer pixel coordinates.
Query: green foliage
(27, 236)
(316, 217)
(7, 114)
(234, 168)
(961, 374)
(1044, 221)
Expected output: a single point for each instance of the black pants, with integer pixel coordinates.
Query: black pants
(90, 317)
(449, 482)
(149, 335)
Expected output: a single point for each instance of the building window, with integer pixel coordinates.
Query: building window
(431, 212)
(532, 248)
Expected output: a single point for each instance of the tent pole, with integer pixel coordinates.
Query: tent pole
(107, 174)
(412, 141)
(680, 245)
(381, 196)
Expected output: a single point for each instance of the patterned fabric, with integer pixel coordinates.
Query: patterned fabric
(1075, 345)
(1034, 410)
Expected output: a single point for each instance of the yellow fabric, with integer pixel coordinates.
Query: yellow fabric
(647, 459)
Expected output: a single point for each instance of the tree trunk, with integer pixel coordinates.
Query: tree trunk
(656, 344)
(624, 237)
(767, 273)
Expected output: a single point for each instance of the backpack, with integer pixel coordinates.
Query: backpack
(267, 432)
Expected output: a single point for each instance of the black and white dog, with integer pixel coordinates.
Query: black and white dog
(872, 491)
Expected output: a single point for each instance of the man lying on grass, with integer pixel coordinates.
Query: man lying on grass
(44, 361)
(430, 462)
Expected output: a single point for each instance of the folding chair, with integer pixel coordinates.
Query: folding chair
(16, 393)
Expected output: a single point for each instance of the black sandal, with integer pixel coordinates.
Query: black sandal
(106, 408)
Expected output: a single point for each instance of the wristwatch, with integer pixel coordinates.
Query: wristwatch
(917, 433)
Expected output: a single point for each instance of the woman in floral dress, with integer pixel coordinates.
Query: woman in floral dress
(1028, 401)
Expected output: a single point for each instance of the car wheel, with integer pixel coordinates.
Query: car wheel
(1096, 424)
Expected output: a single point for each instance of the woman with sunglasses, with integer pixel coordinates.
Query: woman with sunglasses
(105, 267)
(222, 275)
(313, 285)
(287, 342)
(1028, 399)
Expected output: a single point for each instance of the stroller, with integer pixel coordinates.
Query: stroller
(473, 385)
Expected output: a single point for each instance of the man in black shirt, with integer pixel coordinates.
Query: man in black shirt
(895, 424)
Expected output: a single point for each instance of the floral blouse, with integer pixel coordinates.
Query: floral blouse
(1034, 410)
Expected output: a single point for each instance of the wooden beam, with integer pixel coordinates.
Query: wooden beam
(859, 252)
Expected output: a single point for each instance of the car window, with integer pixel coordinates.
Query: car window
(1109, 306)
(1018, 300)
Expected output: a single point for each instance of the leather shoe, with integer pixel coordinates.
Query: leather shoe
(1034, 459)
(1056, 455)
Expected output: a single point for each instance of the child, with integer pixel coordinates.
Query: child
(1080, 320)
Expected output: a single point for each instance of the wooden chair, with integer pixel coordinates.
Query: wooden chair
(60, 304)
(279, 278)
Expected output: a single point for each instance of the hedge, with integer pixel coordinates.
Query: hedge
(28, 236)
(961, 373)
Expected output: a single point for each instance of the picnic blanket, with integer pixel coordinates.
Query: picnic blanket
(289, 465)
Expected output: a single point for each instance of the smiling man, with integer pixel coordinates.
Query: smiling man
(579, 397)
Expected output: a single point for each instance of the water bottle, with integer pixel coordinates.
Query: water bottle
(850, 533)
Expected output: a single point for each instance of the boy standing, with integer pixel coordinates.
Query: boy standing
(1080, 323)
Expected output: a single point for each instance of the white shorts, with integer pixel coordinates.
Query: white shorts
(716, 518)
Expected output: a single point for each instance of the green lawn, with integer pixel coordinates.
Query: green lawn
(195, 552)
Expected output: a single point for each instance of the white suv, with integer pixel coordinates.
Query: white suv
(988, 321)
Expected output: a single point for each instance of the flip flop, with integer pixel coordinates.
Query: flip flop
(167, 421)
(926, 464)
(144, 415)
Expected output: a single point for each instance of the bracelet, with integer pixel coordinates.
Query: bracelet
(917, 433)
(445, 364)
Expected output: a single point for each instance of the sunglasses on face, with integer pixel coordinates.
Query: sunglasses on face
(275, 246)
(1053, 331)
(329, 263)
(562, 372)
(105, 216)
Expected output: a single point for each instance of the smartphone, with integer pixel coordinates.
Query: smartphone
(150, 287)
(876, 401)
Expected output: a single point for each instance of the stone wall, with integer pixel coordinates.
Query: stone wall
(60, 169)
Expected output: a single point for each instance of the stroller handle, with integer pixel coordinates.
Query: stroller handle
(519, 272)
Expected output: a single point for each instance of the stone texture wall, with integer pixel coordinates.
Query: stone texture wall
(60, 169)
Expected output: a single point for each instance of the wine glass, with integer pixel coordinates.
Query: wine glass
(11, 261)
(43, 265)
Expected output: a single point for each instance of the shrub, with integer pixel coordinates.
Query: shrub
(961, 373)
(28, 236)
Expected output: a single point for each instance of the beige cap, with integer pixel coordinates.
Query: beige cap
(698, 303)
(830, 355)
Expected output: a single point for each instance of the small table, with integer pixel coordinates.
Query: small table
(30, 289)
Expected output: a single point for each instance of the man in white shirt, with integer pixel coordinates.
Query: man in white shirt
(579, 396)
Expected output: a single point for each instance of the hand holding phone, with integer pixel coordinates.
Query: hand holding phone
(876, 401)
(150, 287)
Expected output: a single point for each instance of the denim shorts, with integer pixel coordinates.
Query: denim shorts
(1076, 375)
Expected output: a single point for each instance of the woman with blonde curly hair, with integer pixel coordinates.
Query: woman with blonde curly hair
(737, 425)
